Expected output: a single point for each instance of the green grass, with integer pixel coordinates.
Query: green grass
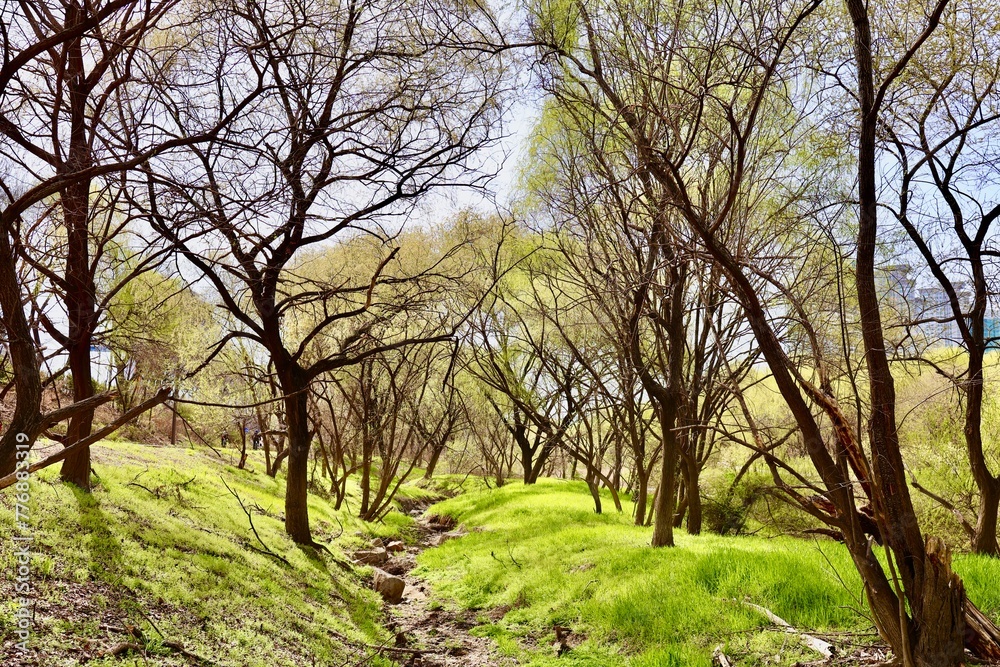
(542, 552)
(177, 561)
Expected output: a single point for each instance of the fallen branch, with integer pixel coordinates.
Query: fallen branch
(135, 483)
(266, 550)
(83, 443)
(815, 643)
(124, 647)
(719, 659)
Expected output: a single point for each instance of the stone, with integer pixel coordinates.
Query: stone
(441, 538)
(375, 556)
(395, 546)
(389, 586)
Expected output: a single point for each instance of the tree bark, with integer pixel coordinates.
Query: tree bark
(80, 292)
(294, 385)
(595, 491)
(641, 494)
(27, 380)
(432, 463)
(984, 538)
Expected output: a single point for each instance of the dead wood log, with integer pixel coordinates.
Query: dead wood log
(815, 643)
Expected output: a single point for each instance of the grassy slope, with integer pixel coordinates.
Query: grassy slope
(542, 551)
(184, 564)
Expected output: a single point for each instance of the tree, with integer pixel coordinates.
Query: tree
(389, 397)
(623, 257)
(691, 99)
(71, 127)
(368, 107)
(941, 133)
(531, 381)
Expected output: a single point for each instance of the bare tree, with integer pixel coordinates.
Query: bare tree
(390, 398)
(369, 107)
(624, 255)
(942, 133)
(694, 98)
(74, 112)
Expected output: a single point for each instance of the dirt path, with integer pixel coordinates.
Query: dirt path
(433, 637)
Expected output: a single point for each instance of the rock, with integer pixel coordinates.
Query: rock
(378, 543)
(396, 566)
(390, 587)
(441, 538)
(395, 546)
(375, 556)
(441, 522)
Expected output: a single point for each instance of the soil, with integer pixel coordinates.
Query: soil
(426, 634)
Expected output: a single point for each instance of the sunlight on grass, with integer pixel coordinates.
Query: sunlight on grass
(542, 552)
(178, 557)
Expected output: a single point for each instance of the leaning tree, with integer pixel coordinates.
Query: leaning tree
(711, 98)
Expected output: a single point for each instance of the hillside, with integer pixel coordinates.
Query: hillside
(163, 546)
(547, 561)
(161, 566)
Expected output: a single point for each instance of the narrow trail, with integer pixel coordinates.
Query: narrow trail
(427, 635)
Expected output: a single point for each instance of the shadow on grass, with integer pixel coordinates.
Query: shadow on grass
(103, 547)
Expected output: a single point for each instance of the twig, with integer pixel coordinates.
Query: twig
(510, 552)
(266, 550)
(494, 557)
(966, 526)
(719, 658)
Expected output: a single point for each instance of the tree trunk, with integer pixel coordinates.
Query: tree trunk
(296, 488)
(539, 464)
(984, 539)
(367, 452)
(243, 449)
(641, 494)
(173, 422)
(595, 492)
(527, 451)
(619, 462)
(693, 483)
(432, 463)
(27, 381)
(670, 402)
(76, 466)
(526, 466)
(80, 296)
(663, 525)
(682, 503)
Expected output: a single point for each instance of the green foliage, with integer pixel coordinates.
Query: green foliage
(727, 511)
